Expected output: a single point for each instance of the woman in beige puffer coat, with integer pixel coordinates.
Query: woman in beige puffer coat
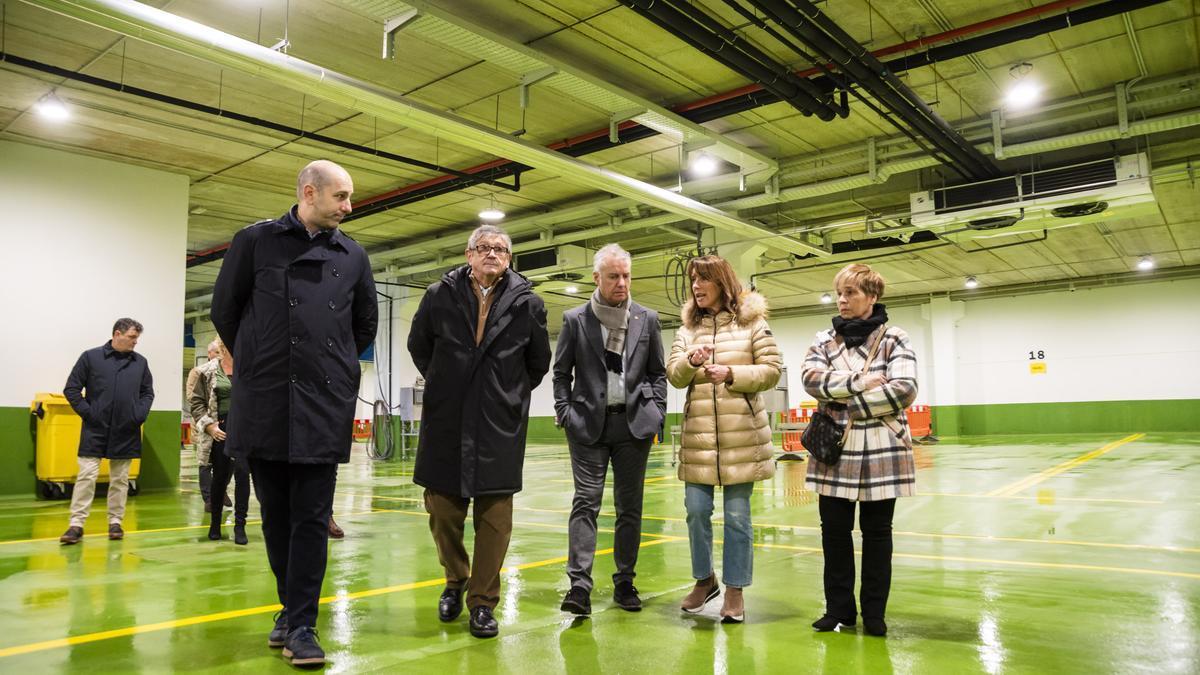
(725, 355)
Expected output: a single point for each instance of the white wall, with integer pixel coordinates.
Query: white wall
(87, 241)
(1138, 342)
(1105, 344)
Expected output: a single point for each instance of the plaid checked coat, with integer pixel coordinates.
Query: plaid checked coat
(877, 458)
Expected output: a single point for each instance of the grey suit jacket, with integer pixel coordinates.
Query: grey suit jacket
(580, 378)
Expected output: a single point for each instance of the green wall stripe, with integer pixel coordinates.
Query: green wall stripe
(1074, 417)
(160, 451)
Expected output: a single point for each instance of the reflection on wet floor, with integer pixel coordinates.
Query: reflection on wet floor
(1016, 556)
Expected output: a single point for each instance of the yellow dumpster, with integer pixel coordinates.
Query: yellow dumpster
(57, 447)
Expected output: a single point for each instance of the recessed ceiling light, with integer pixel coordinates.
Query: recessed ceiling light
(1145, 263)
(826, 298)
(491, 213)
(1022, 94)
(971, 282)
(703, 165)
(52, 108)
(571, 289)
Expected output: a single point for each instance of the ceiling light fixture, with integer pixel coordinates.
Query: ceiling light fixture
(826, 298)
(1145, 263)
(1025, 91)
(572, 289)
(703, 165)
(491, 213)
(971, 282)
(51, 107)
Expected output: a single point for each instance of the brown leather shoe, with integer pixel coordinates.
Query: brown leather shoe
(72, 535)
(115, 532)
(704, 591)
(335, 532)
(734, 609)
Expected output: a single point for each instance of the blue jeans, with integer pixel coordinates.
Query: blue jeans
(738, 551)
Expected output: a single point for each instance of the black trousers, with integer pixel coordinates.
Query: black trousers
(589, 467)
(296, 500)
(875, 520)
(225, 468)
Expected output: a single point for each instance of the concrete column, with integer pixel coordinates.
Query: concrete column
(742, 255)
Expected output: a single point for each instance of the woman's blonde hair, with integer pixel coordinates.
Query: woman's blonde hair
(861, 277)
(718, 270)
(222, 350)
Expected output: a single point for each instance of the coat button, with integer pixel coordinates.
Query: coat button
(328, 380)
(336, 273)
(329, 342)
(292, 302)
(331, 305)
(295, 339)
(293, 379)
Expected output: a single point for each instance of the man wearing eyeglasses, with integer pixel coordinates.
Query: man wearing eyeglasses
(479, 339)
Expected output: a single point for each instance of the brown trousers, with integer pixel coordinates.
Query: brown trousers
(493, 529)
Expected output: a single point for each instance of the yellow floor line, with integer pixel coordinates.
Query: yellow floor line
(267, 609)
(1101, 500)
(899, 533)
(1030, 481)
(995, 561)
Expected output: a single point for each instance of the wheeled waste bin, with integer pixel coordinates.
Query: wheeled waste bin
(57, 447)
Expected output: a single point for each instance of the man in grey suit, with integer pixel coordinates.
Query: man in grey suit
(610, 395)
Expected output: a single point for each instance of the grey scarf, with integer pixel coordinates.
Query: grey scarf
(616, 320)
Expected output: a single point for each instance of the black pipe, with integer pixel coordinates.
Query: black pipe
(737, 42)
(679, 25)
(239, 117)
(808, 24)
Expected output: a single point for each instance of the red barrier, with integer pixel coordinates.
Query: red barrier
(362, 430)
(920, 421)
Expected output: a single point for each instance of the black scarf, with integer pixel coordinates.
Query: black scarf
(854, 332)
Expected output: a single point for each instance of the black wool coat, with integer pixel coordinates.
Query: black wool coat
(112, 392)
(296, 313)
(476, 402)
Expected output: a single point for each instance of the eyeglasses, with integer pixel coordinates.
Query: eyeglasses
(484, 249)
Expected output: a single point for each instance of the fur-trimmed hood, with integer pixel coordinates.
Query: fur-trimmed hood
(751, 307)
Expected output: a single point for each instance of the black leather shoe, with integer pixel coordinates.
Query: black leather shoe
(450, 604)
(239, 534)
(279, 633)
(829, 623)
(625, 595)
(302, 648)
(577, 601)
(875, 627)
(482, 623)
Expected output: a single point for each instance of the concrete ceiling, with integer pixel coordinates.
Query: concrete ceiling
(241, 173)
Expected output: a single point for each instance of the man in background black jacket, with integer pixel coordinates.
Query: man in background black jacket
(110, 387)
(295, 302)
(479, 339)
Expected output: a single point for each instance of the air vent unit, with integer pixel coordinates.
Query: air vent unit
(1039, 200)
(559, 263)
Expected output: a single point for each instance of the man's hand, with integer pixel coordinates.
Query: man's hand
(215, 431)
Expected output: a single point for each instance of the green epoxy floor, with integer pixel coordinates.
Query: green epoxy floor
(1049, 554)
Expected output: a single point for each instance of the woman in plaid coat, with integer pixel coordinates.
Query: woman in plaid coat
(876, 464)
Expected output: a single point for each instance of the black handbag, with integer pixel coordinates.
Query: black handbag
(824, 437)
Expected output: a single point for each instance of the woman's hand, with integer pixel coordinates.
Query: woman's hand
(718, 373)
(698, 354)
(213, 429)
(874, 381)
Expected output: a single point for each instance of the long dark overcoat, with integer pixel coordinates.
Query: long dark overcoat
(112, 392)
(476, 402)
(296, 312)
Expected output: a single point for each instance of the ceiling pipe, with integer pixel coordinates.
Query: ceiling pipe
(160, 28)
(236, 116)
(805, 22)
(799, 93)
(754, 96)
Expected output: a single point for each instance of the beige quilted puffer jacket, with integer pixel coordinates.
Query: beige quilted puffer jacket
(726, 434)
